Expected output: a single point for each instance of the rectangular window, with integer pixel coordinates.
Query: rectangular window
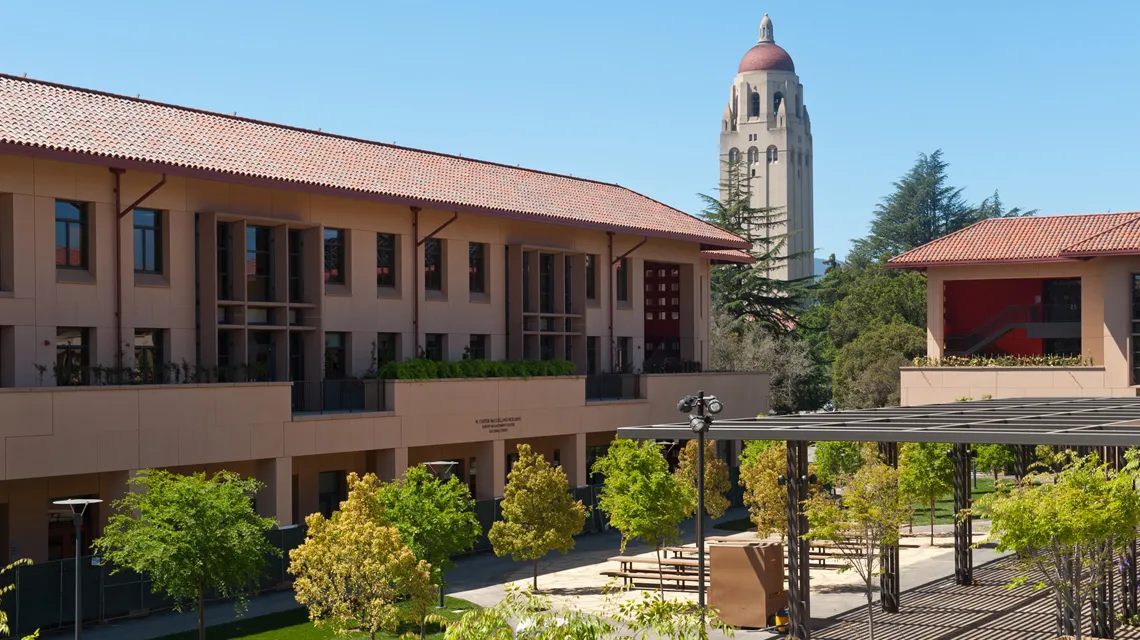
(331, 491)
(336, 367)
(591, 276)
(296, 356)
(622, 284)
(546, 347)
(591, 355)
(546, 283)
(148, 356)
(72, 355)
(335, 243)
(433, 346)
(296, 265)
(477, 346)
(568, 284)
(623, 362)
(477, 266)
(386, 260)
(70, 235)
(225, 282)
(259, 263)
(148, 241)
(386, 348)
(433, 264)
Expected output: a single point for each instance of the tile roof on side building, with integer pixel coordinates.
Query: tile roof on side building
(41, 116)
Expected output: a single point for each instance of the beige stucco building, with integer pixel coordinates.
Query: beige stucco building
(1037, 286)
(194, 291)
(766, 127)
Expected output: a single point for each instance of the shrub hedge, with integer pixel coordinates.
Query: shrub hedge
(424, 369)
(1004, 361)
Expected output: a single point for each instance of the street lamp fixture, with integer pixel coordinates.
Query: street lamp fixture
(439, 468)
(78, 509)
(701, 409)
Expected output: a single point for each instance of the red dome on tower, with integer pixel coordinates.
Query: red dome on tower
(766, 55)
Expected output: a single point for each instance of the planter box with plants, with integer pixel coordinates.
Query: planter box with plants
(424, 369)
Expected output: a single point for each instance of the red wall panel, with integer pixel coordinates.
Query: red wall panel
(968, 304)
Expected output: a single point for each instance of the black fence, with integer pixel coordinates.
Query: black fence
(338, 396)
(44, 597)
(613, 386)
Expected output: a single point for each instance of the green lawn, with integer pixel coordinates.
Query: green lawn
(943, 510)
(294, 625)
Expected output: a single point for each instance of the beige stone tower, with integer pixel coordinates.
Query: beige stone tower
(766, 125)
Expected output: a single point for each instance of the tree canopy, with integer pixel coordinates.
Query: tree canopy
(189, 534)
(436, 519)
(926, 473)
(538, 513)
(867, 368)
(834, 459)
(716, 478)
(353, 569)
(761, 464)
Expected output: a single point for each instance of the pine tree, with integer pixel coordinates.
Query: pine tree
(749, 292)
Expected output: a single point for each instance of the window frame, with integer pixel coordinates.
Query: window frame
(479, 353)
(477, 268)
(83, 349)
(341, 262)
(429, 348)
(140, 235)
(155, 375)
(337, 354)
(591, 277)
(433, 272)
(82, 222)
(256, 275)
(621, 281)
(388, 279)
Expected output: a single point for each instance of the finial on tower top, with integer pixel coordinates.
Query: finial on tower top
(766, 30)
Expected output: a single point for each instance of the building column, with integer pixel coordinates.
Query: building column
(935, 327)
(889, 587)
(963, 528)
(572, 454)
(799, 576)
(491, 469)
(388, 464)
(275, 500)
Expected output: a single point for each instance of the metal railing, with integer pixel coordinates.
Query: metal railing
(613, 386)
(338, 396)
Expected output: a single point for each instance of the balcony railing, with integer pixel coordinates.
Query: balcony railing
(613, 386)
(338, 396)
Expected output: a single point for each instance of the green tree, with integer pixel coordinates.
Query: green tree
(435, 519)
(716, 478)
(751, 293)
(869, 515)
(642, 499)
(927, 473)
(923, 207)
(835, 459)
(994, 458)
(876, 296)
(761, 464)
(8, 589)
(539, 514)
(189, 534)
(353, 570)
(1066, 528)
(867, 368)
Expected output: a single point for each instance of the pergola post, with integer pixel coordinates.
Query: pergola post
(889, 553)
(963, 527)
(799, 580)
(1023, 457)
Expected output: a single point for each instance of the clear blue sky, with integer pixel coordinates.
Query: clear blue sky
(1037, 98)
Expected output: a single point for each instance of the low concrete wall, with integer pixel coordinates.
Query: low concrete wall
(931, 385)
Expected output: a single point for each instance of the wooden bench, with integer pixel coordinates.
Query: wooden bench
(654, 578)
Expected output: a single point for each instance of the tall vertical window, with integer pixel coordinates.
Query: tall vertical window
(334, 255)
(225, 263)
(296, 356)
(433, 264)
(477, 346)
(148, 241)
(70, 235)
(622, 356)
(622, 284)
(148, 355)
(336, 365)
(386, 260)
(568, 285)
(259, 263)
(331, 490)
(72, 355)
(591, 276)
(386, 348)
(477, 266)
(546, 283)
(591, 355)
(433, 346)
(296, 265)
(754, 104)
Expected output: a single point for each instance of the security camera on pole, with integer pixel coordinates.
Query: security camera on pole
(706, 407)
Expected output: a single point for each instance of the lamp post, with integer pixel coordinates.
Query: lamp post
(440, 467)
(706, 407)
(78, 508)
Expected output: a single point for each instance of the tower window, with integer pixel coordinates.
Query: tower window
(773, 155)
(776, 100)
(754, 105)
(753, 155)
(799, 105)
(733, 154)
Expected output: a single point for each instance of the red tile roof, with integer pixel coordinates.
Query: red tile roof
(721, 256)
(1031, 239)
(60, 118)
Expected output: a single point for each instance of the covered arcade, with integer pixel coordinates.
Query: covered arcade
(1106, 425)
